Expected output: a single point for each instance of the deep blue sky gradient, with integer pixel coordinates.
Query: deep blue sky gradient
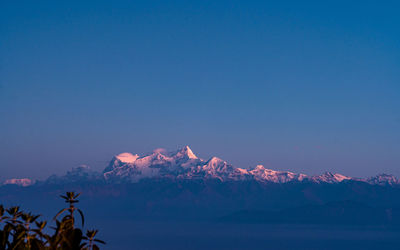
(305, 86)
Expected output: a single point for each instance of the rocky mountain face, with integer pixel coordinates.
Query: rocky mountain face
(183, 164)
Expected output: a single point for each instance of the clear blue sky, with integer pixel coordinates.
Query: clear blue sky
(306, 86)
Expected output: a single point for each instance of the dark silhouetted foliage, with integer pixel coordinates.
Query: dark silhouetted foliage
(21, 230)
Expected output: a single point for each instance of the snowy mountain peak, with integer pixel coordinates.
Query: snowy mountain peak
(184, 164)
(329, 177)
(261, 173)
(259, 167)
(383, 179)
(127, 157)
(185, 152)
(121, 159)
(215, 161)
(19, 182)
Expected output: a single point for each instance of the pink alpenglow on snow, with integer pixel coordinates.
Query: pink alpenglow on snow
(24, 182)
(127, 157)
(184, 164)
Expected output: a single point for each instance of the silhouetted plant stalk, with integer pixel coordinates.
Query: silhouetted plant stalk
(21, 230)
(91, 240)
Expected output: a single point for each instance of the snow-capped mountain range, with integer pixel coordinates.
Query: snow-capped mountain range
(184, 164)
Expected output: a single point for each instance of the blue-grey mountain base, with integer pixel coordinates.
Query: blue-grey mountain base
(176, 200)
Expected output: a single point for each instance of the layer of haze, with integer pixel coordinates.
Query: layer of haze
(306, 86)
